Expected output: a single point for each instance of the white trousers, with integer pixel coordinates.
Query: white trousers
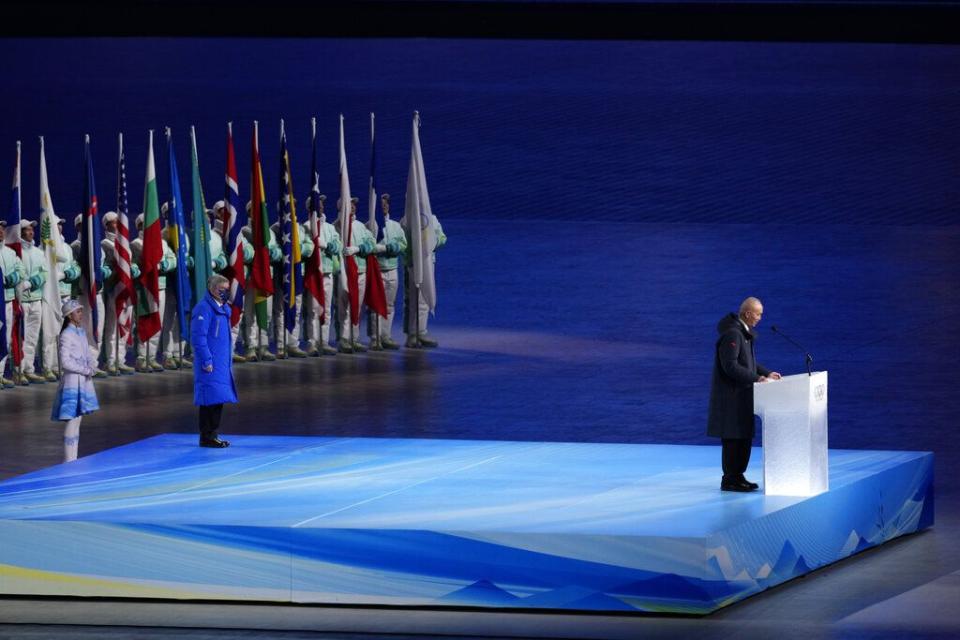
(420, 310)
(50, 335)
(32, 316)
(344, 309)
(391, 284)
(170, 333)
(154, 342)
(116, 354)
(7, 333)
(280, 323)
(312, 315)
(250, 319)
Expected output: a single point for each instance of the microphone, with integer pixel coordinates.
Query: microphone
(797, 345)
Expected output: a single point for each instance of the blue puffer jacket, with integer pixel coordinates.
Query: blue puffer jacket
(210, 336)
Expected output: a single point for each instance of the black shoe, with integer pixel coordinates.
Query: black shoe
(752, 485)
(214, 443)
(736, 485)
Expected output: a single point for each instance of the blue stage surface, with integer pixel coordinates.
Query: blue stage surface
(609, 527)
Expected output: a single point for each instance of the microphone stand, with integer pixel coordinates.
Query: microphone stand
(809, 358)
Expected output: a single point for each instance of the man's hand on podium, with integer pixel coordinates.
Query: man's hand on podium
(774, 376)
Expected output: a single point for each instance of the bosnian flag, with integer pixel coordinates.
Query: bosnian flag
(290, 229)
(232, 223)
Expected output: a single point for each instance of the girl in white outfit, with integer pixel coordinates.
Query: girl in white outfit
(75, 396)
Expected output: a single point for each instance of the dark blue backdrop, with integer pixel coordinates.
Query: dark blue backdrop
(645, 131)
(606, 202)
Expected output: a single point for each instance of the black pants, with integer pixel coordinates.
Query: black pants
(210, 420)
(736, 457)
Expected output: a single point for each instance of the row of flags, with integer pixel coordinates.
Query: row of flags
(190, 289)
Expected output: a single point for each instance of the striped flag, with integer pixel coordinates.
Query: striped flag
(177, 239)
(91, 280)
(349, 275)
(232, 223)
(260, 279)
(12, 240)
(148, 311)
(200, 236)
(287, 212)
(52, 243)
(372, 189)
(418, 222)
(313, 274)
(126, 293)
(375, 295)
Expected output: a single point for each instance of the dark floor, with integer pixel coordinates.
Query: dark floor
(578, 340)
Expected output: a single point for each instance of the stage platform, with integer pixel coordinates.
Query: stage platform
(439, 523)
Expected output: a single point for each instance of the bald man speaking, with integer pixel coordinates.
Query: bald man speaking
(735, 369)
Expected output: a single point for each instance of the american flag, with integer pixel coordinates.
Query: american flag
(126, 293)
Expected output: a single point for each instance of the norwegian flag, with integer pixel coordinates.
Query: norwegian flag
(12, 240)
(126, 292)
(313, 275)
(91, 279)
(232, 224)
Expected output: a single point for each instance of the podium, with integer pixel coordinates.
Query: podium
(793, 415)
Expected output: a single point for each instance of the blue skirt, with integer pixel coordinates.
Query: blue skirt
(72, 402)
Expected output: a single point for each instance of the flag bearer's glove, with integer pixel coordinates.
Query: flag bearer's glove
(11, 280)
(71, 273)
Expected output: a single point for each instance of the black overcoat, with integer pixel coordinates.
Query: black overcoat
(735, 369)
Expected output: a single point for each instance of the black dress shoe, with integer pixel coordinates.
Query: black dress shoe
(214, 443)
(752, 485)
(736, 485)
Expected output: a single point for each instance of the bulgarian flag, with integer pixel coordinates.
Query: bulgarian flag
(260, 278)
(148, 312)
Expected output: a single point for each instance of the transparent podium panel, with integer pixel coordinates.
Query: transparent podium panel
(793, 415)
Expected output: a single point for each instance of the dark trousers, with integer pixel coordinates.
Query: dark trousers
(736, 457)
(210, 420)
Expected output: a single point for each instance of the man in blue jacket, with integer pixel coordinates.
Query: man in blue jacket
(213, 363)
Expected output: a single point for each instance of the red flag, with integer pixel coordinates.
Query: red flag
(313, 275)
(260, 278)
(375, 296)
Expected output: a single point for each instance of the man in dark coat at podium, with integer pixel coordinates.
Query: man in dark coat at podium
(735, 369)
